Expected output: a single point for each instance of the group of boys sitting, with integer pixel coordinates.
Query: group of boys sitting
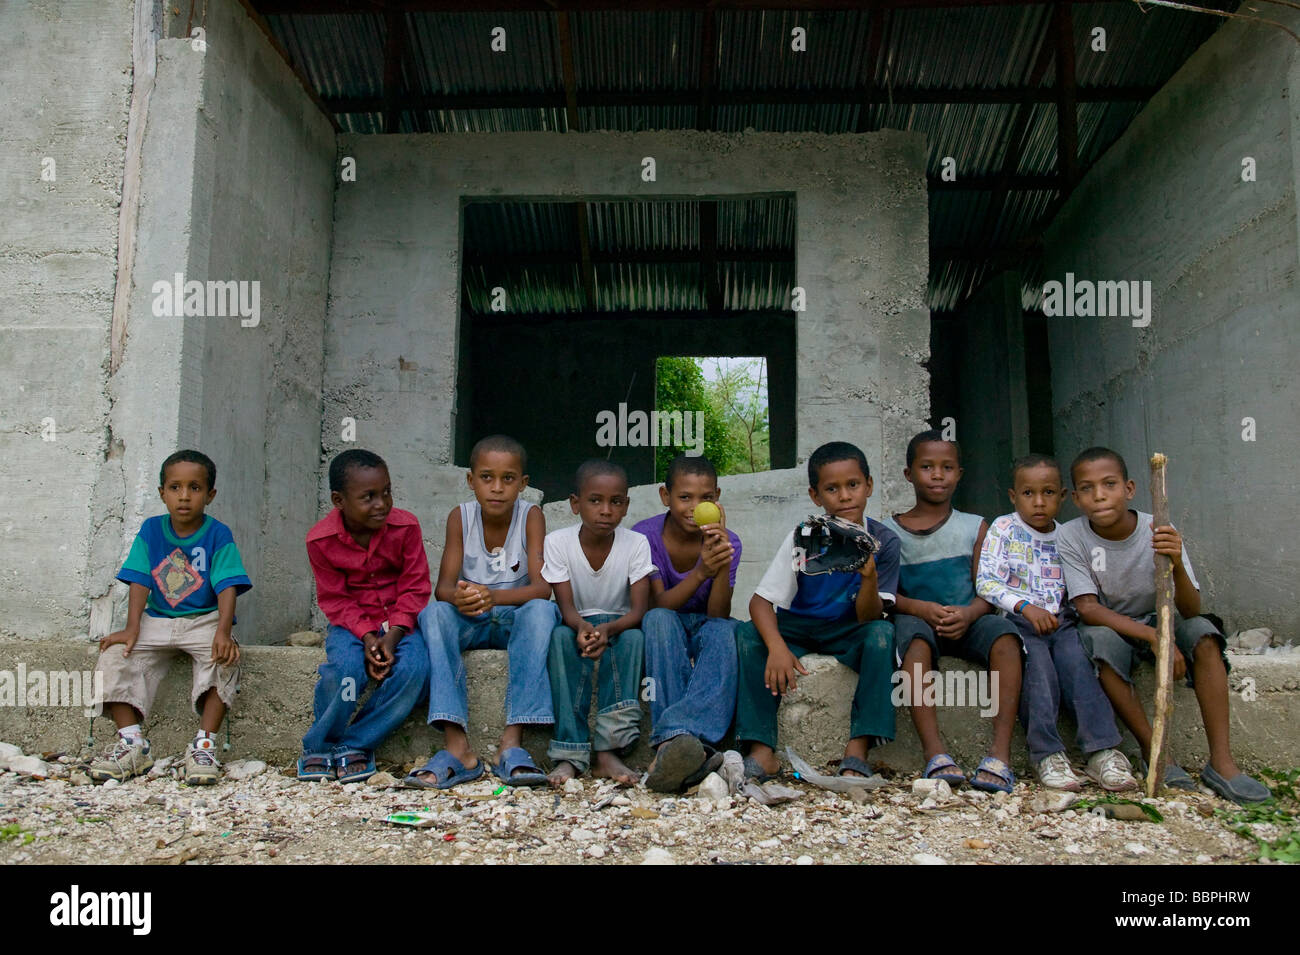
(1061, 613)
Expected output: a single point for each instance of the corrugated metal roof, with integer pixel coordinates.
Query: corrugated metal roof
(659, 52)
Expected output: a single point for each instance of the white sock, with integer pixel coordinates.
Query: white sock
(132, 733)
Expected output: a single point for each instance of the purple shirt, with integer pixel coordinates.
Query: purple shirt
(698, 602)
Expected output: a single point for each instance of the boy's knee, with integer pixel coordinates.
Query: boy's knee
(658, 623)
(1006, 649)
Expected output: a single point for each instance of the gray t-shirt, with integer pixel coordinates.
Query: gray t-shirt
(1120, 573)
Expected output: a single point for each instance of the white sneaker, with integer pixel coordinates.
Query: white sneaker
(1054, 772)
(1110, 769)
(124, 760)
(201, 765)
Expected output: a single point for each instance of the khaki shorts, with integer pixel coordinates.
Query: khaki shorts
(135, 679)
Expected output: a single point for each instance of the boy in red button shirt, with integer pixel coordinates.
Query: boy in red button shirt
(372, 580)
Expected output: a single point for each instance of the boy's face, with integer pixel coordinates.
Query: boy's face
(365, 500)
(602, 503)
(185, 491)
(1101, 492)
(496, 479)
(1037, 496)
(688, 490)
(842, 489)
(934, 472)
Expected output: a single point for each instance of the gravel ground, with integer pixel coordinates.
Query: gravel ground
(269, 818)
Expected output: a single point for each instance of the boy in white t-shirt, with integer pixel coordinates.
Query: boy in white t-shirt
(601, 576)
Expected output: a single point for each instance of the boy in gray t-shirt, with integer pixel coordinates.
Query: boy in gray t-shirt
(1108, 559)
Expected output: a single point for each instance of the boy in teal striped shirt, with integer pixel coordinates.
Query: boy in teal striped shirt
(184, 572)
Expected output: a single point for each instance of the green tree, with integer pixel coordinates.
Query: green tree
(680, 386)
(738, 395)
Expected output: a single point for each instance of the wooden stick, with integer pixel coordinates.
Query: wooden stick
(1165, 649)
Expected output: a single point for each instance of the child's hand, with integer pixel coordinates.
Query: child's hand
(1180, 664)
(1044, 622)
(127, 636)
(593, 642)
(1167, 541)
(932, 613)
(378, 660)
(225, 651)
(868, 570)
(955, 622)
(716, 552)
(779, 676)
(472, 600)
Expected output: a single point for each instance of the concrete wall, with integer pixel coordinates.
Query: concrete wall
(238, 185)
(1167, 204)
(392, 325)
(66, 72)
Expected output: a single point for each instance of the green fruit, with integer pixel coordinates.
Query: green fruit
(707, 513)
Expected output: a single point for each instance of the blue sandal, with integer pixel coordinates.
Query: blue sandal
(447, 771)
(349, 757)
(313, 767)
(851, 764)
(945, 761)
(995, 767)
(517, 757)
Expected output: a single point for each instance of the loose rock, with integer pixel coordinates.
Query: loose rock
(306, 638)
(246, 768)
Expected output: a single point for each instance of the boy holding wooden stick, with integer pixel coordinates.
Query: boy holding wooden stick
(1107, 555)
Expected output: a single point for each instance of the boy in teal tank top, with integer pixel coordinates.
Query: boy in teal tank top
(938, 612)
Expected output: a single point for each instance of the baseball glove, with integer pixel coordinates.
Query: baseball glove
(826, 544)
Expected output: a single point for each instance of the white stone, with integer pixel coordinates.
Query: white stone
(1052, 802)
(923, 787)
(28, 765)
(924, 858)
(8, 751)
(583, 835)
(306, 638)
(804, 860)
(573, 787)
(245, 768)
(596, 852)
(1136, 848)
(658, 856)
(111, 784)
(714, 787)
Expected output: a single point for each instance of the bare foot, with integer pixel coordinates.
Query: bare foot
(562, 773)
(609, 766)
(765, 758)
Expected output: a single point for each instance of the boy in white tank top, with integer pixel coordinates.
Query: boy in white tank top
(490, 595)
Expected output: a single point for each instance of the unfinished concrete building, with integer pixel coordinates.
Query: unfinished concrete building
(463, 218)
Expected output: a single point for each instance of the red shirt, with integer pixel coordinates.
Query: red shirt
(361, 587)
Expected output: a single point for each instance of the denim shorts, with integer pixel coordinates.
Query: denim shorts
(975, 644)
(1104, 645)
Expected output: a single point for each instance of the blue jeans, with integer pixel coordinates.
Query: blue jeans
(342, 679)
(1057, 670)
(618, 714)
(524, 632)
(699, 699)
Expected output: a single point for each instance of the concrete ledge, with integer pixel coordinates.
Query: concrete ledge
(274, 710)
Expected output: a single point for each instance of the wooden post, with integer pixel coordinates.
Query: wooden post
(1165, 648)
